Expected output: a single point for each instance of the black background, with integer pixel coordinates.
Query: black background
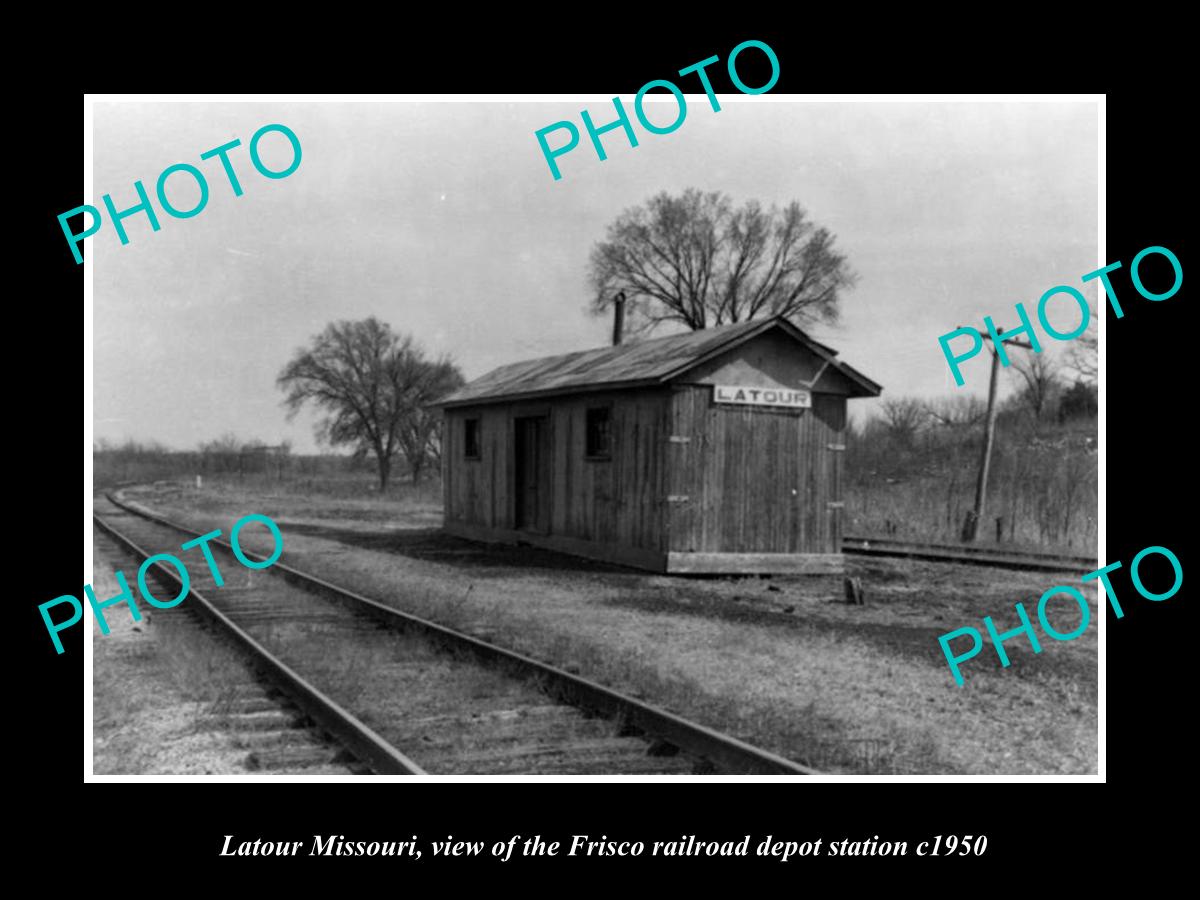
(180, 827)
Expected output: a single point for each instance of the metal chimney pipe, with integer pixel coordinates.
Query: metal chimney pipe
(618, 317)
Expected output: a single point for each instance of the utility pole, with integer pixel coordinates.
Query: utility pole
(974, 517)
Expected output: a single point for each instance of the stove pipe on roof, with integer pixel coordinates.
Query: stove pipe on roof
(618, 317)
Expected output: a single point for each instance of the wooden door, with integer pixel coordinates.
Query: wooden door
(532, 489)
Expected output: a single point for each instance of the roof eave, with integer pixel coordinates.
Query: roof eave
(869, 387)
(520, 396)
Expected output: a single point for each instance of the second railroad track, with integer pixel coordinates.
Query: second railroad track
(1029, 561)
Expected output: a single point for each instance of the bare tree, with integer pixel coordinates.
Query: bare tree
(1040, 374)
(222, 454)
(368, 381)
(226, 443)
(959, 411)
(1084, 359)
(1079, 401)
(697, 260)
(903, 417)
(421, 429)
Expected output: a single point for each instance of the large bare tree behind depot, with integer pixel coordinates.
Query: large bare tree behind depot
(372, 385)
(699, 260)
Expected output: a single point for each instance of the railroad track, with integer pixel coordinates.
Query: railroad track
(976, 556)
(269, 731)
(405, 695)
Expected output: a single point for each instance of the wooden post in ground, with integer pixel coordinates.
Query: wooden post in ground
(975, 516)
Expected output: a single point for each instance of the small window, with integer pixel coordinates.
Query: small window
(471, 438)
(599, 433)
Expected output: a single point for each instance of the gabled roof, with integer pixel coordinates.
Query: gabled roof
(642, 364)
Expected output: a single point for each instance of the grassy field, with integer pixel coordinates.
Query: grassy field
(777, 661)
(1041, 491)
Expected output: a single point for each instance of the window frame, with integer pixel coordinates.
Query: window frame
(468, 422)
(605, 455)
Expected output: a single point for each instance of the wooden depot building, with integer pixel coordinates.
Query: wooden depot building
(714, 451)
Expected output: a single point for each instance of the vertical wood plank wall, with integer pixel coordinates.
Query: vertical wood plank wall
(615, 502)
(739, 469)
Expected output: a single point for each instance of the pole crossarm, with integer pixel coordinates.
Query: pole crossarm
(1016, 342)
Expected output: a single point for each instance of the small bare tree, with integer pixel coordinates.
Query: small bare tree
(903, 417)
(959, 411)
(222, 454)
(1079, 401)
(226, 443)
(1084, 359)
(1039, 373)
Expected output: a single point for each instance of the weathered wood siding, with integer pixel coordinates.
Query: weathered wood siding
(691, 486)
(477, 490)
(751, 479)
(615, 503)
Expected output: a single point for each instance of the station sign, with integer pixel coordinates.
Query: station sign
(756, 396)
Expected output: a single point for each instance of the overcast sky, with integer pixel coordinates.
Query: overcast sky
(443, 220)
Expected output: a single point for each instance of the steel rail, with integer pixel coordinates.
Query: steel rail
(357, 737)
(979, 556)
(723, 751)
